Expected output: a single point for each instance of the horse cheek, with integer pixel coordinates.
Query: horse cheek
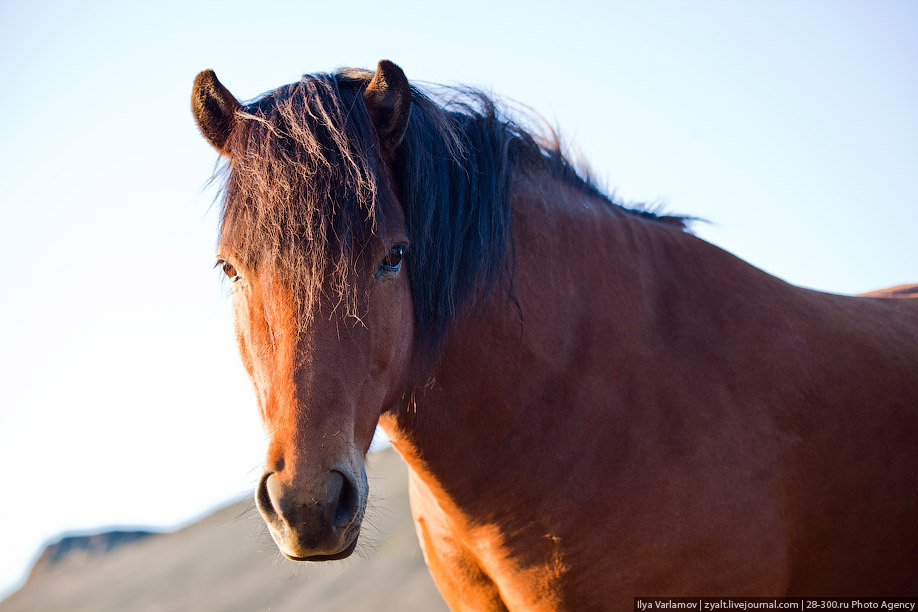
(393, 342)
(240, 329)
(253, 341)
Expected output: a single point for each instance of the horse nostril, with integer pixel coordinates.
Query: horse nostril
(263, 498)
(328, 509)
(346, 509)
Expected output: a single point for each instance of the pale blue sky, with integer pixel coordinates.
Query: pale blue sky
(789, 125)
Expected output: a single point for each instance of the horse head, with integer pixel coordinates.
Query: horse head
(314, 245)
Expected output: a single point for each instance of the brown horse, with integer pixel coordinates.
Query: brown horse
(594, 404)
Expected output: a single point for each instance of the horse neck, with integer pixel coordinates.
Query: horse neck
(599, 290)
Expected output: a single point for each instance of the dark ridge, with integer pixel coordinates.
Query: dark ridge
(95, 545)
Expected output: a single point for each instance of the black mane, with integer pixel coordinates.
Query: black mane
(304, 191)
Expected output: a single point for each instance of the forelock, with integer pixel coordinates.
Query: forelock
(302, 191)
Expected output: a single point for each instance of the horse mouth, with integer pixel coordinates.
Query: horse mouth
(343, 554)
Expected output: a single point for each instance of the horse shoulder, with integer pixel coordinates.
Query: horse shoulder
(459, 576)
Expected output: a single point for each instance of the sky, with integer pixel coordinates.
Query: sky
(789, 126)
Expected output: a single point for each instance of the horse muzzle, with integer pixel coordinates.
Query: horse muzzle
(320, 522)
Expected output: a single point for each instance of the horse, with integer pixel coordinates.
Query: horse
(593, 403)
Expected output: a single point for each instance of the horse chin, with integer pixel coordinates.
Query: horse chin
(352, 535)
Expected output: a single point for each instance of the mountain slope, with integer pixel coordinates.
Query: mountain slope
(227, 562)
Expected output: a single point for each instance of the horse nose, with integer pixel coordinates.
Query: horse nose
(308, 521)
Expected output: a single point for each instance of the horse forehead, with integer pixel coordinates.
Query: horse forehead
(283, 307)
(263, 300)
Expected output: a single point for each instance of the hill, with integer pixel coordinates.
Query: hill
(227, 562)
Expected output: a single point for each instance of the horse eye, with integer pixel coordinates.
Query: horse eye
(229, 270)
(392, 262)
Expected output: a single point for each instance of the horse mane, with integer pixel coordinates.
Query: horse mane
(305, 193)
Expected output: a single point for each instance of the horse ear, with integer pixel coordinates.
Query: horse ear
(214, 109)
(388, 96)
